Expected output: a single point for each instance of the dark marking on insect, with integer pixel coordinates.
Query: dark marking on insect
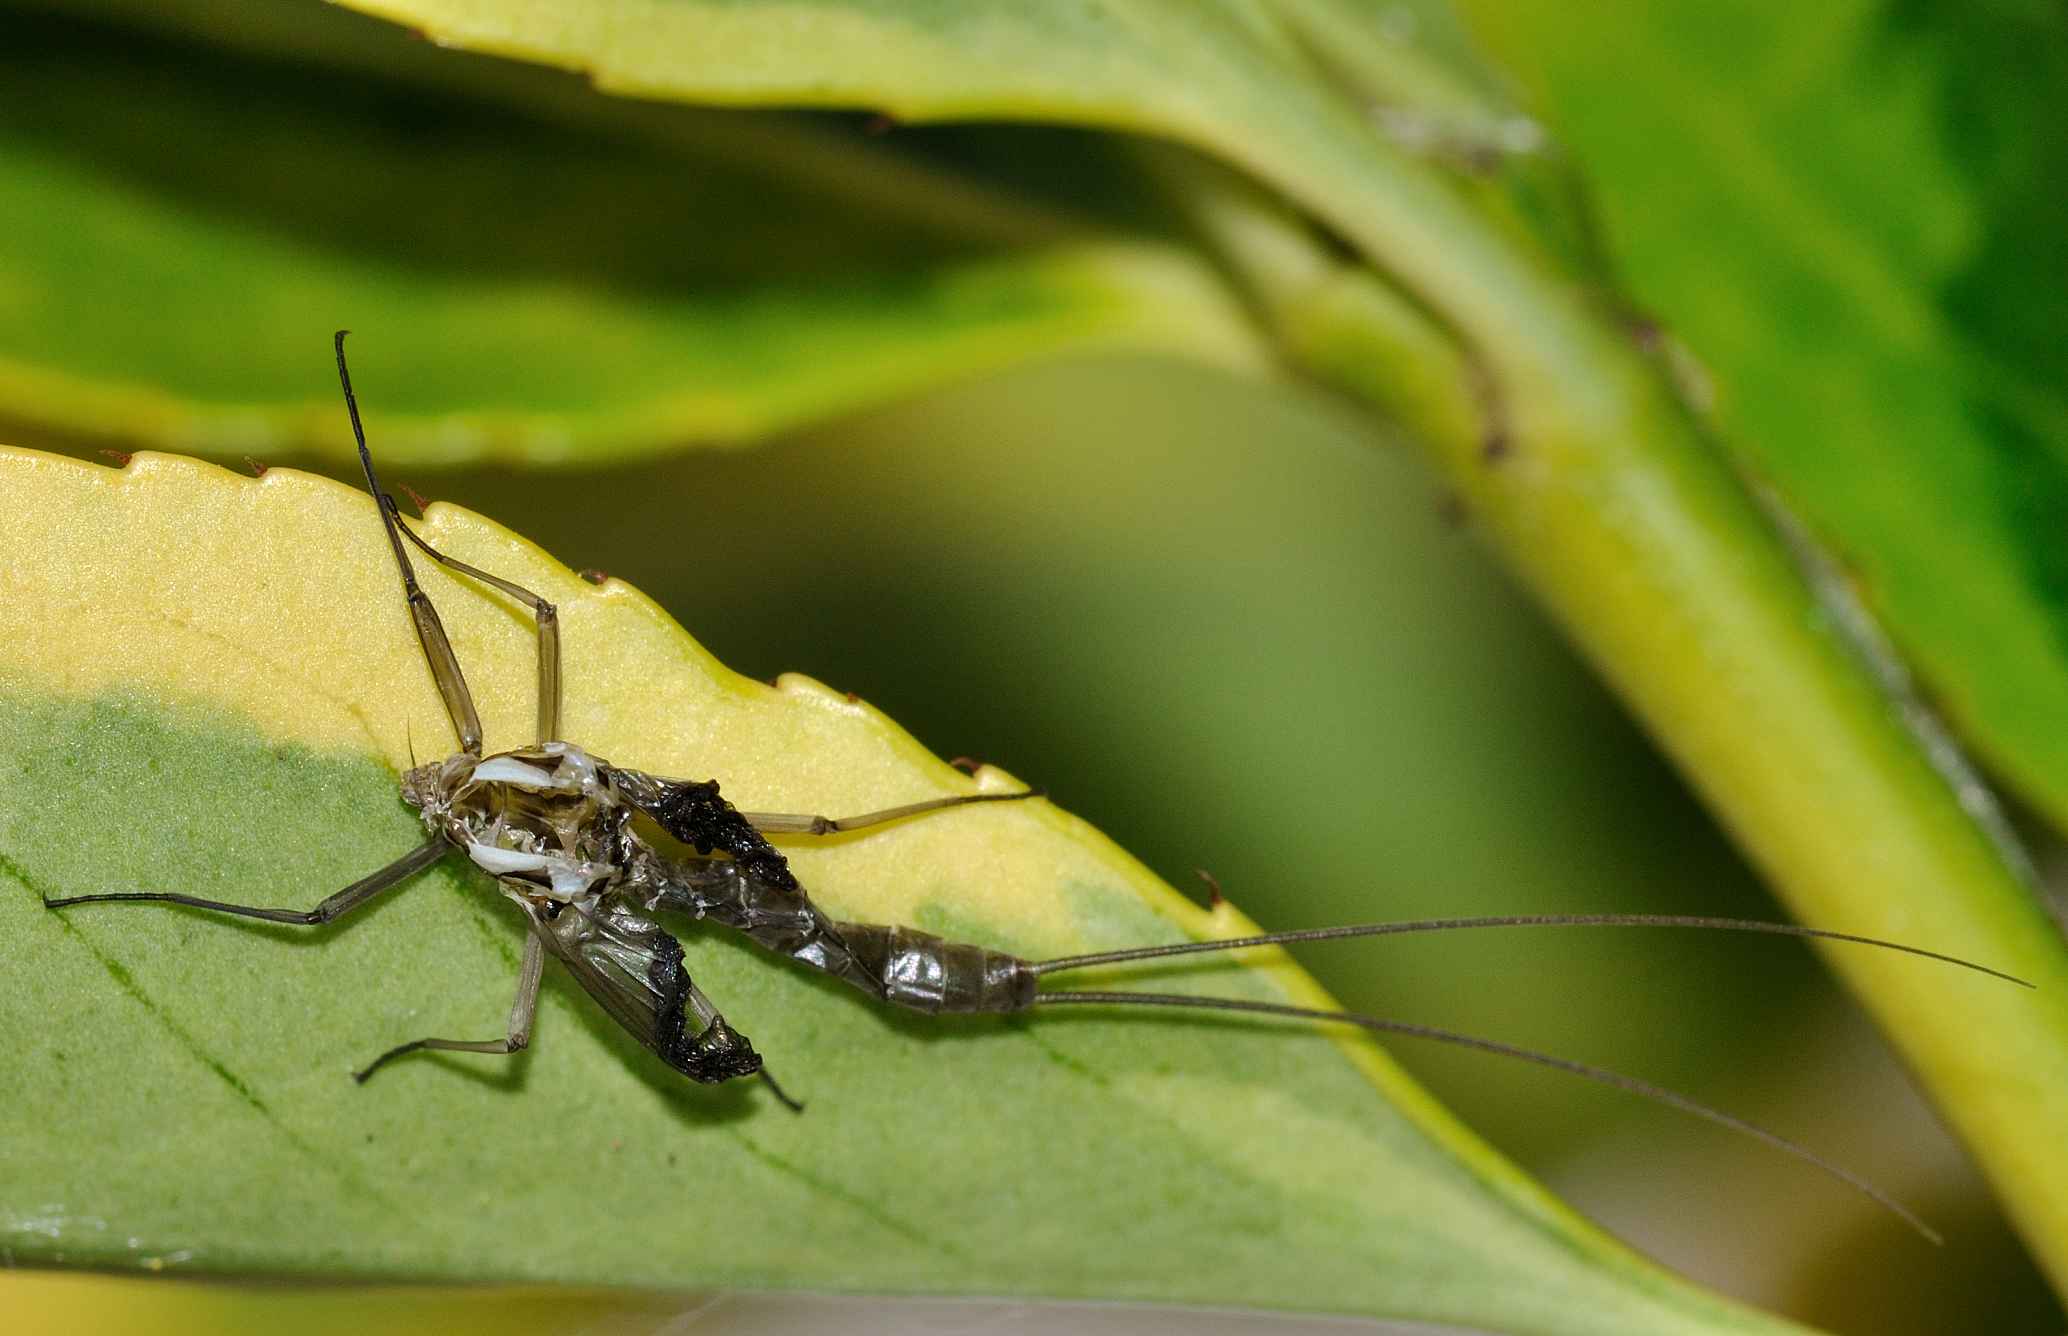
(557, 828)
(258, 470)
(694, 813)
(121, 457)
(594, 575)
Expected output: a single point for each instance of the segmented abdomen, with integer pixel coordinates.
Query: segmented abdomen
(927, 973)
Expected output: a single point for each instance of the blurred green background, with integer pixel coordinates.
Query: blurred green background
(1225, 622)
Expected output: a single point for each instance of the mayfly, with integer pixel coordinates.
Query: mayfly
(558, 829)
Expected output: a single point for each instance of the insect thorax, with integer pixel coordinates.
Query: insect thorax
(545, 820)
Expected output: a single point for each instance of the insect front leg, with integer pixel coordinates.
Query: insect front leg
(430, 631)
(515, 1040)
(546, 615)
(332, 907)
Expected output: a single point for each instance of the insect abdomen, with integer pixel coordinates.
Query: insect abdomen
(926, 973)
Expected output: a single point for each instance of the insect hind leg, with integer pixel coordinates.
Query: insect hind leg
(793, 1105)
(515, 1040)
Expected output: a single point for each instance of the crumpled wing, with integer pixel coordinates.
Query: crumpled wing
(635, 972)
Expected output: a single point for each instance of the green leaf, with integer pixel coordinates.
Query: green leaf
(1868, 259)
(677, 283)
(208, 684)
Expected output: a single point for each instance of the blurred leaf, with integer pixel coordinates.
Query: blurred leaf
(681, 277)
(1852, 213)
(107, 1305)
(198, 692)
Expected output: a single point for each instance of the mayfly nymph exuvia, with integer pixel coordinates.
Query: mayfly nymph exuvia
(555, 826)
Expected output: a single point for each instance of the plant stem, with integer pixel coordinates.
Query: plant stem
(1568, 446)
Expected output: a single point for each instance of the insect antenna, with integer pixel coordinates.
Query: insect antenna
(430, 632)
(1402, 926)
(1601, 1075)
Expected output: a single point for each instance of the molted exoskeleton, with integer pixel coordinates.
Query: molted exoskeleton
(545, 820)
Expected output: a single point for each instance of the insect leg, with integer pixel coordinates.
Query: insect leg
(514, 1040)
(547, 615)
(794, 1106)
(430, 632)
(335, 906)
(796, 823)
